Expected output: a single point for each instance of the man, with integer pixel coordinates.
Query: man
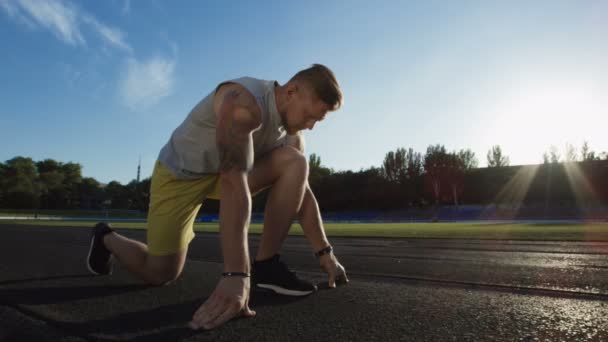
(240, 139)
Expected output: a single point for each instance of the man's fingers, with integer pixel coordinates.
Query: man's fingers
(205, 313)
(229, 312)
(196, 319)
(219, 314)
(247, 312)
(332, 279)
(214, 314)
(342, 278)
(206, 307)
(209, 304)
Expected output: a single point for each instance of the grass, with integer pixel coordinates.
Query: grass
(30, 213)
(479, 230)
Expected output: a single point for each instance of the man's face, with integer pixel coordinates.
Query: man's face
(304, 110)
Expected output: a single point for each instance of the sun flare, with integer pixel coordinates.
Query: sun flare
(533, 117)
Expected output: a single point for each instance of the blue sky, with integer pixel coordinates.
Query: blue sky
(102, 82)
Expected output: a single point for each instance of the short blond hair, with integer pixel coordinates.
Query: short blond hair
(323, 82)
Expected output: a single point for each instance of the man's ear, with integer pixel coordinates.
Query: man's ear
(292, 88)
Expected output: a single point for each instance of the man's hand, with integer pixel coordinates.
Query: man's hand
(238, 115)
(229, 299)
(336, 272)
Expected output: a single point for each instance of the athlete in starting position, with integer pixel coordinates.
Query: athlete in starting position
(240, 139)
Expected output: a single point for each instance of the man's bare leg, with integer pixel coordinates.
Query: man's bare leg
(286, 170)
(133, 255)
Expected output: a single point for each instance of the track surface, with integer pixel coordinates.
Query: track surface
(400, 290)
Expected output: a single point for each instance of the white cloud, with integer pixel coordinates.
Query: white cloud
(55, 16)
(63, 19)
(14, 12)
(146, 83)
(111, 35)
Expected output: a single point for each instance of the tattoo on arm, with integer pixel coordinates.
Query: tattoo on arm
(233, 149)
(234, 139)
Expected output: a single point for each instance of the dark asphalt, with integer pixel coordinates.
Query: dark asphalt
(400, 290)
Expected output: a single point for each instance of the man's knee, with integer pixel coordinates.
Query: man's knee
(164, 277)
(294, 159)
(164, 270)
(282, 162)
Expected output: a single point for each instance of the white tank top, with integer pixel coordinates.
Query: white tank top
(191, 152)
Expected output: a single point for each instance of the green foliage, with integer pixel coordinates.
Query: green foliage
(405, 179)
(21, 188)
(435, 161)
(50, 184)
(554, 156)
(496, 158)
(3, 184)
(468, 159)
(316, 172)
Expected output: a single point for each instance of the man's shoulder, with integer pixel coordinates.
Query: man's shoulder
(235, 91)
(235, 99)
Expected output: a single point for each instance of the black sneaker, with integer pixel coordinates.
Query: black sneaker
(273, 275)
(99, 259)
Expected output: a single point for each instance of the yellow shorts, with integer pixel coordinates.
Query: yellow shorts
(174, 204)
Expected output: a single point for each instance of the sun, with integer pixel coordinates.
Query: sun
(533, 116)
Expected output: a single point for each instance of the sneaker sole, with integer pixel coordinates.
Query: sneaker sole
(89, 257)
(284, 291)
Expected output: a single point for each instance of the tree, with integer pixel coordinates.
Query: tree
(394, 167)
(402, 170)
(316, 172)
(90, 194)
(468, 159)
(571, 155)
(546, 159)
(454, 174)
(435, 162)
(587, 154)
(118, 195)
(415, 165)
(51, 177)
(72, 177)
(496, 158)
(3, 184)
(412, 186)
(21, 188)
(144, 187)
(314, 161)
(402, 166)
(554, 155)
(59, 184)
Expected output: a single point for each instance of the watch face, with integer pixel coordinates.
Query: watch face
(324, 251)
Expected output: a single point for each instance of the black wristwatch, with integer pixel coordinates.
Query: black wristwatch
(236, 274)
(324, 251)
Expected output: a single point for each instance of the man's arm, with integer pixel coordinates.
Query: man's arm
(312, 225)
(311, 222)
(238, 115)
(309, 214)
